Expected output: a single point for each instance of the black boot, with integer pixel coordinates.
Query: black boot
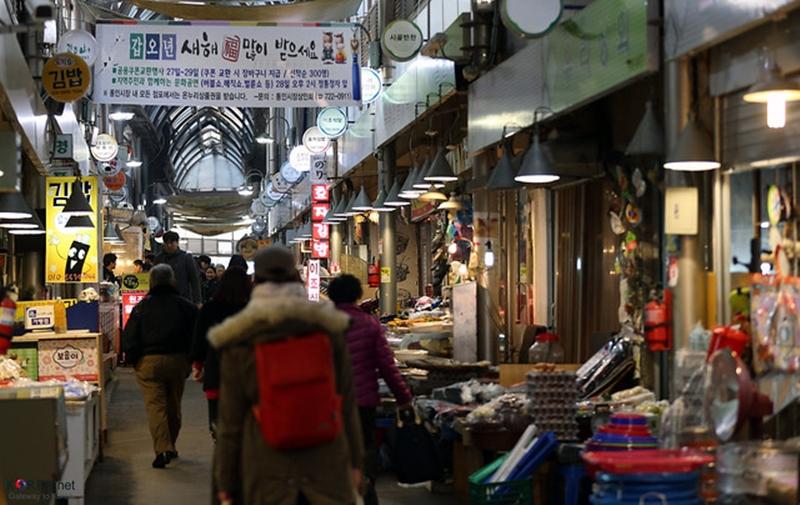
(161, 460)
(172, 455)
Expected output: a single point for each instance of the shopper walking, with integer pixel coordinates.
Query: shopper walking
(232, 295)
(157, 339)
(109, 265)
(182, 263)
(288, 428)
(371, 358)
(210, 284)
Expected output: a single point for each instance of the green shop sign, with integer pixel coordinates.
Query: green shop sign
(600, 48)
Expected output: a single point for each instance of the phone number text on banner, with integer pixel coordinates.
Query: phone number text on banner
(227, 64)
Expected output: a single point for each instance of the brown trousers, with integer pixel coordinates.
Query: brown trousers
(162, 378)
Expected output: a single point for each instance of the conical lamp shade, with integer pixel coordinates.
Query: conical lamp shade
(77, 204)
(14, 206)
(362, 203)
(394, 199)
(452, 203)
(649, 137)
(379, 205)
(350, 211)
(345, 208)
(537, 165)
(408, 191)
(32, 223)
(433, 196)
(440, 170)
(80, 223)
(420, 183)
(693, 152)
(110, 234)
(502, 177)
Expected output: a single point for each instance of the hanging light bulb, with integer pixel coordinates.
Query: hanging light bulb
(452, 248)
(774, 90)
(488, 255)
(776, 111)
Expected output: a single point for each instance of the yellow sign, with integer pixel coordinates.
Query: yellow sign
(386, 275)
(66, 77)
(136, 282)
(71, 252)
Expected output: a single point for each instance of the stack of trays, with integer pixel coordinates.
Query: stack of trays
(625, 432)
(554, 398)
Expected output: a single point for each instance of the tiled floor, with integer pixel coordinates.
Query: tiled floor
(125, 477)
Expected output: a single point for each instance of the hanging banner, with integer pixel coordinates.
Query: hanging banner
(313, 280)
(71, 253)
(227, 64)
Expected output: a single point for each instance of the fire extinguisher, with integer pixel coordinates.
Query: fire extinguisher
(374, 275)
(8, 314)
(658, 322)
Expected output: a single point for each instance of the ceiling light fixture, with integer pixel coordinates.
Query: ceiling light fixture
(133, 163)
(433, 196)
(537, 164)
(77, 204)
(160, 201)
(380, 205)
(452, 203)
(648, 140)
(362, 202)
(393, 199)
(419, 182)
(440, 169)
(502, 177)
(246, 190)
(774, 90)
(121, 116)
(692, 151)
(30, 223)
(18, 231)
(14, 206)
(265, 138)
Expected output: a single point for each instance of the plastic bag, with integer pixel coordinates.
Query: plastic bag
(775, 314)
(415, 457)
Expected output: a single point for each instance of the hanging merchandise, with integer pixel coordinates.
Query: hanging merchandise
(775, 301)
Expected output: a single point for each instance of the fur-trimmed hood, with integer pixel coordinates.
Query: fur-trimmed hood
(278, 309)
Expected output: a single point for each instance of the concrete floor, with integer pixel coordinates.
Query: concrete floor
(125, 476)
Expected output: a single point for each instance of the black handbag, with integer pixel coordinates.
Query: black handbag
(415, 457)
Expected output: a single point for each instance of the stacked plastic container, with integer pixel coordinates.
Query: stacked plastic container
(554, 400)
(625, 432)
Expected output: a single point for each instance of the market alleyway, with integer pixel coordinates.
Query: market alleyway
(125, 476)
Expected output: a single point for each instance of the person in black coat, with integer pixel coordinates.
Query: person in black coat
(231, 296)
(157, 340)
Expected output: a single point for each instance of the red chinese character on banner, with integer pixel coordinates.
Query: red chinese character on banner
(320, 249)
(320, 231)
(319, 211)
(230, 50)
(320, 193)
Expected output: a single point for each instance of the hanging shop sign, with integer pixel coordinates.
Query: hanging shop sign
(66, 77)
(531, 19)
(227, 64)
(313, 280)
(257, 208)
(63, 147)
(320, 193)
(315, 141)
(273, 195)
(115, 182)
(280, 184)
(80, 43)
(371, 85)
(71, 253)
(402, 40)
(105, 147)
(319, 171)
(320, 206)
(290, 174)
(134, 289)
(332, 121)
(300, 159)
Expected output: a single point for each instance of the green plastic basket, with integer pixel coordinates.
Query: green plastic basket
(517, 492)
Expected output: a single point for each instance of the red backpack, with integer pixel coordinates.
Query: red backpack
(298, 403)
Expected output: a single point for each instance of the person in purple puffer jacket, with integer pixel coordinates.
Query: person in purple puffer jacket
(371, 358)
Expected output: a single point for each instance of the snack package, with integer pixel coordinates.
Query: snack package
(775, 312)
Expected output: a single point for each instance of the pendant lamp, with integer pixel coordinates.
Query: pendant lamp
(331, 217)
(407, 191)
(80, 223)
(17, 231)
(343, 211)
(362, 202)
(452, 203)
(440, 169)
(77, 204)
(14, 206)
(433, 196)
(502, 177)
(774, 90)
(380, 205)
(649, 137)
(31, 223)
(350, 211)
(420, 183)
(537, 164)
(693, 151)
(110, 234)
(394, 199)
(305, 231)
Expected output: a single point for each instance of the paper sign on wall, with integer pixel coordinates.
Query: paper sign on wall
(681, 212)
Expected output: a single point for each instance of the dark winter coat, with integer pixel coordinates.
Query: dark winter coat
(245, 465)
(210, 315)
(209, 289)
(160, 324)
(371, 357)
(187, 277)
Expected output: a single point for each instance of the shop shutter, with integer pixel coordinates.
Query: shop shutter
(746, 139)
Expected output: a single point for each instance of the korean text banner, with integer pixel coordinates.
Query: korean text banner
(71, 254)
(227, 64)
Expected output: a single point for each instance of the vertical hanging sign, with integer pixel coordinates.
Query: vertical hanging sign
(71, 246)
(313, 280)
(320, 205)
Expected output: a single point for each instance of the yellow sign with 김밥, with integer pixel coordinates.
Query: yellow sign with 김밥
(71, 244)
(66, 77)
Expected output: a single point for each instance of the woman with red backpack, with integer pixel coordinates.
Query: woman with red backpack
(288, 429)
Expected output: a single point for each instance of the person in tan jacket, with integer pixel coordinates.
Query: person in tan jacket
(248, 471)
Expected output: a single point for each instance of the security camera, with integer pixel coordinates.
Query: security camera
(41, 10)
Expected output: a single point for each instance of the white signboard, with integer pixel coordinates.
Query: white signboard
(371, 85)
(226, 64)
(531, 19)
(63, 147)
(105, 147)
(315, 141)
(402, 40)
(40, 317)
(332, 121)
(300, 158)
(313, 279)
(319, 169)
(79, 42)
